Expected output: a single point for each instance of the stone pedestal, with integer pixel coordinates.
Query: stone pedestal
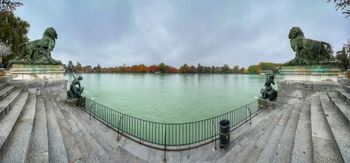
(48, 80)
(56, 88)
(328, 72)
(37, 72)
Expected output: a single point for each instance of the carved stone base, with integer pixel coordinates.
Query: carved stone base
(56, 88)
(310, 72)
(37, 72)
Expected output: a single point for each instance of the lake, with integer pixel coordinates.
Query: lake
(172, 97)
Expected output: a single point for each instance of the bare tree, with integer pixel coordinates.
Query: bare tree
(9, 5)
(342, 5)
(4, 51)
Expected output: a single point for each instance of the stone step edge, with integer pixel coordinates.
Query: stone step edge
(6, 138)
(25, 114)
(281, 124)
(323, 103)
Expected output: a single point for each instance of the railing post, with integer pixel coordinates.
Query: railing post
(214, 134)
(93, 103)
(164, 159)
(121, 118)
(250, 114)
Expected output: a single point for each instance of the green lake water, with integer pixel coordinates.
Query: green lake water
(172, 97)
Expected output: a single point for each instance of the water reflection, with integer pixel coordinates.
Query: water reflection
(172, 97)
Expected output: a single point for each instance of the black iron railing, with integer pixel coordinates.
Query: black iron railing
(171, 136)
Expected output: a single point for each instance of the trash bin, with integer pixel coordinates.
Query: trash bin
(224, 135)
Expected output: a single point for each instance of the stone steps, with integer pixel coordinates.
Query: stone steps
(39, 151)
(8, 122)
(7, 103)
(242, 143)
(270, 149)
(73, 153)
(324, 146)
(345, 95)
(89, 148)
(107, 143)
(339, 127)
(343, 81)
(18, 145)
(302, 150)
(286, 144)
(6, 91)
(341, 105)
(57, 151)
(252, 154)
(3, 85)
(346, 88)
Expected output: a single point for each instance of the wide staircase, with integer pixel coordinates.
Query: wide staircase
(316, 129)
(40, 129)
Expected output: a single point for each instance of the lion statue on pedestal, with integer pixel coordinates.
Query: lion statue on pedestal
(38, 51)
(308, 51)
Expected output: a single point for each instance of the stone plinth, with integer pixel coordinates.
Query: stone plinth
(37, 72)
(327, 72)
(265, 103)
(55, 88)
(290, 91)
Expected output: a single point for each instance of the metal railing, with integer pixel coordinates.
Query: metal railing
(177, 136)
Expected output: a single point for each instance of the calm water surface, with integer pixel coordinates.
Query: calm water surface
(172, 97)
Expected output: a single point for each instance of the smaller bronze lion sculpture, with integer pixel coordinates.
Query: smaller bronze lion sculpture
(38, 51)
(308, 51)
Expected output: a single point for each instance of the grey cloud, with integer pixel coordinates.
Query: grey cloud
(177, 32)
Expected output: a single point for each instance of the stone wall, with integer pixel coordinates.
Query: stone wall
(56, 88)
(290, 92)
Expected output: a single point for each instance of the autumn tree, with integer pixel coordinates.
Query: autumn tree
(184, 69)
(97, 68)
(163, 67)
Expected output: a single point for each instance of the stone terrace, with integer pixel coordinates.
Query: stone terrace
(34, 128)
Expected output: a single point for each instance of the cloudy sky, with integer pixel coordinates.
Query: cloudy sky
(210, 32)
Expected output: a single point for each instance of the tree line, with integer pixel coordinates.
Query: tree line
(160, 68)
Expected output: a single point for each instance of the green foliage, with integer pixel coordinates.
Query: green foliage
(267, 66)
(225, 68)
(344, 56)
(163, 67)
(13, 32)
(263, 67)
(253, 69)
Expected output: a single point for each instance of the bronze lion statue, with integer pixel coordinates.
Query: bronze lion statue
(308, 51)
(38, 51)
